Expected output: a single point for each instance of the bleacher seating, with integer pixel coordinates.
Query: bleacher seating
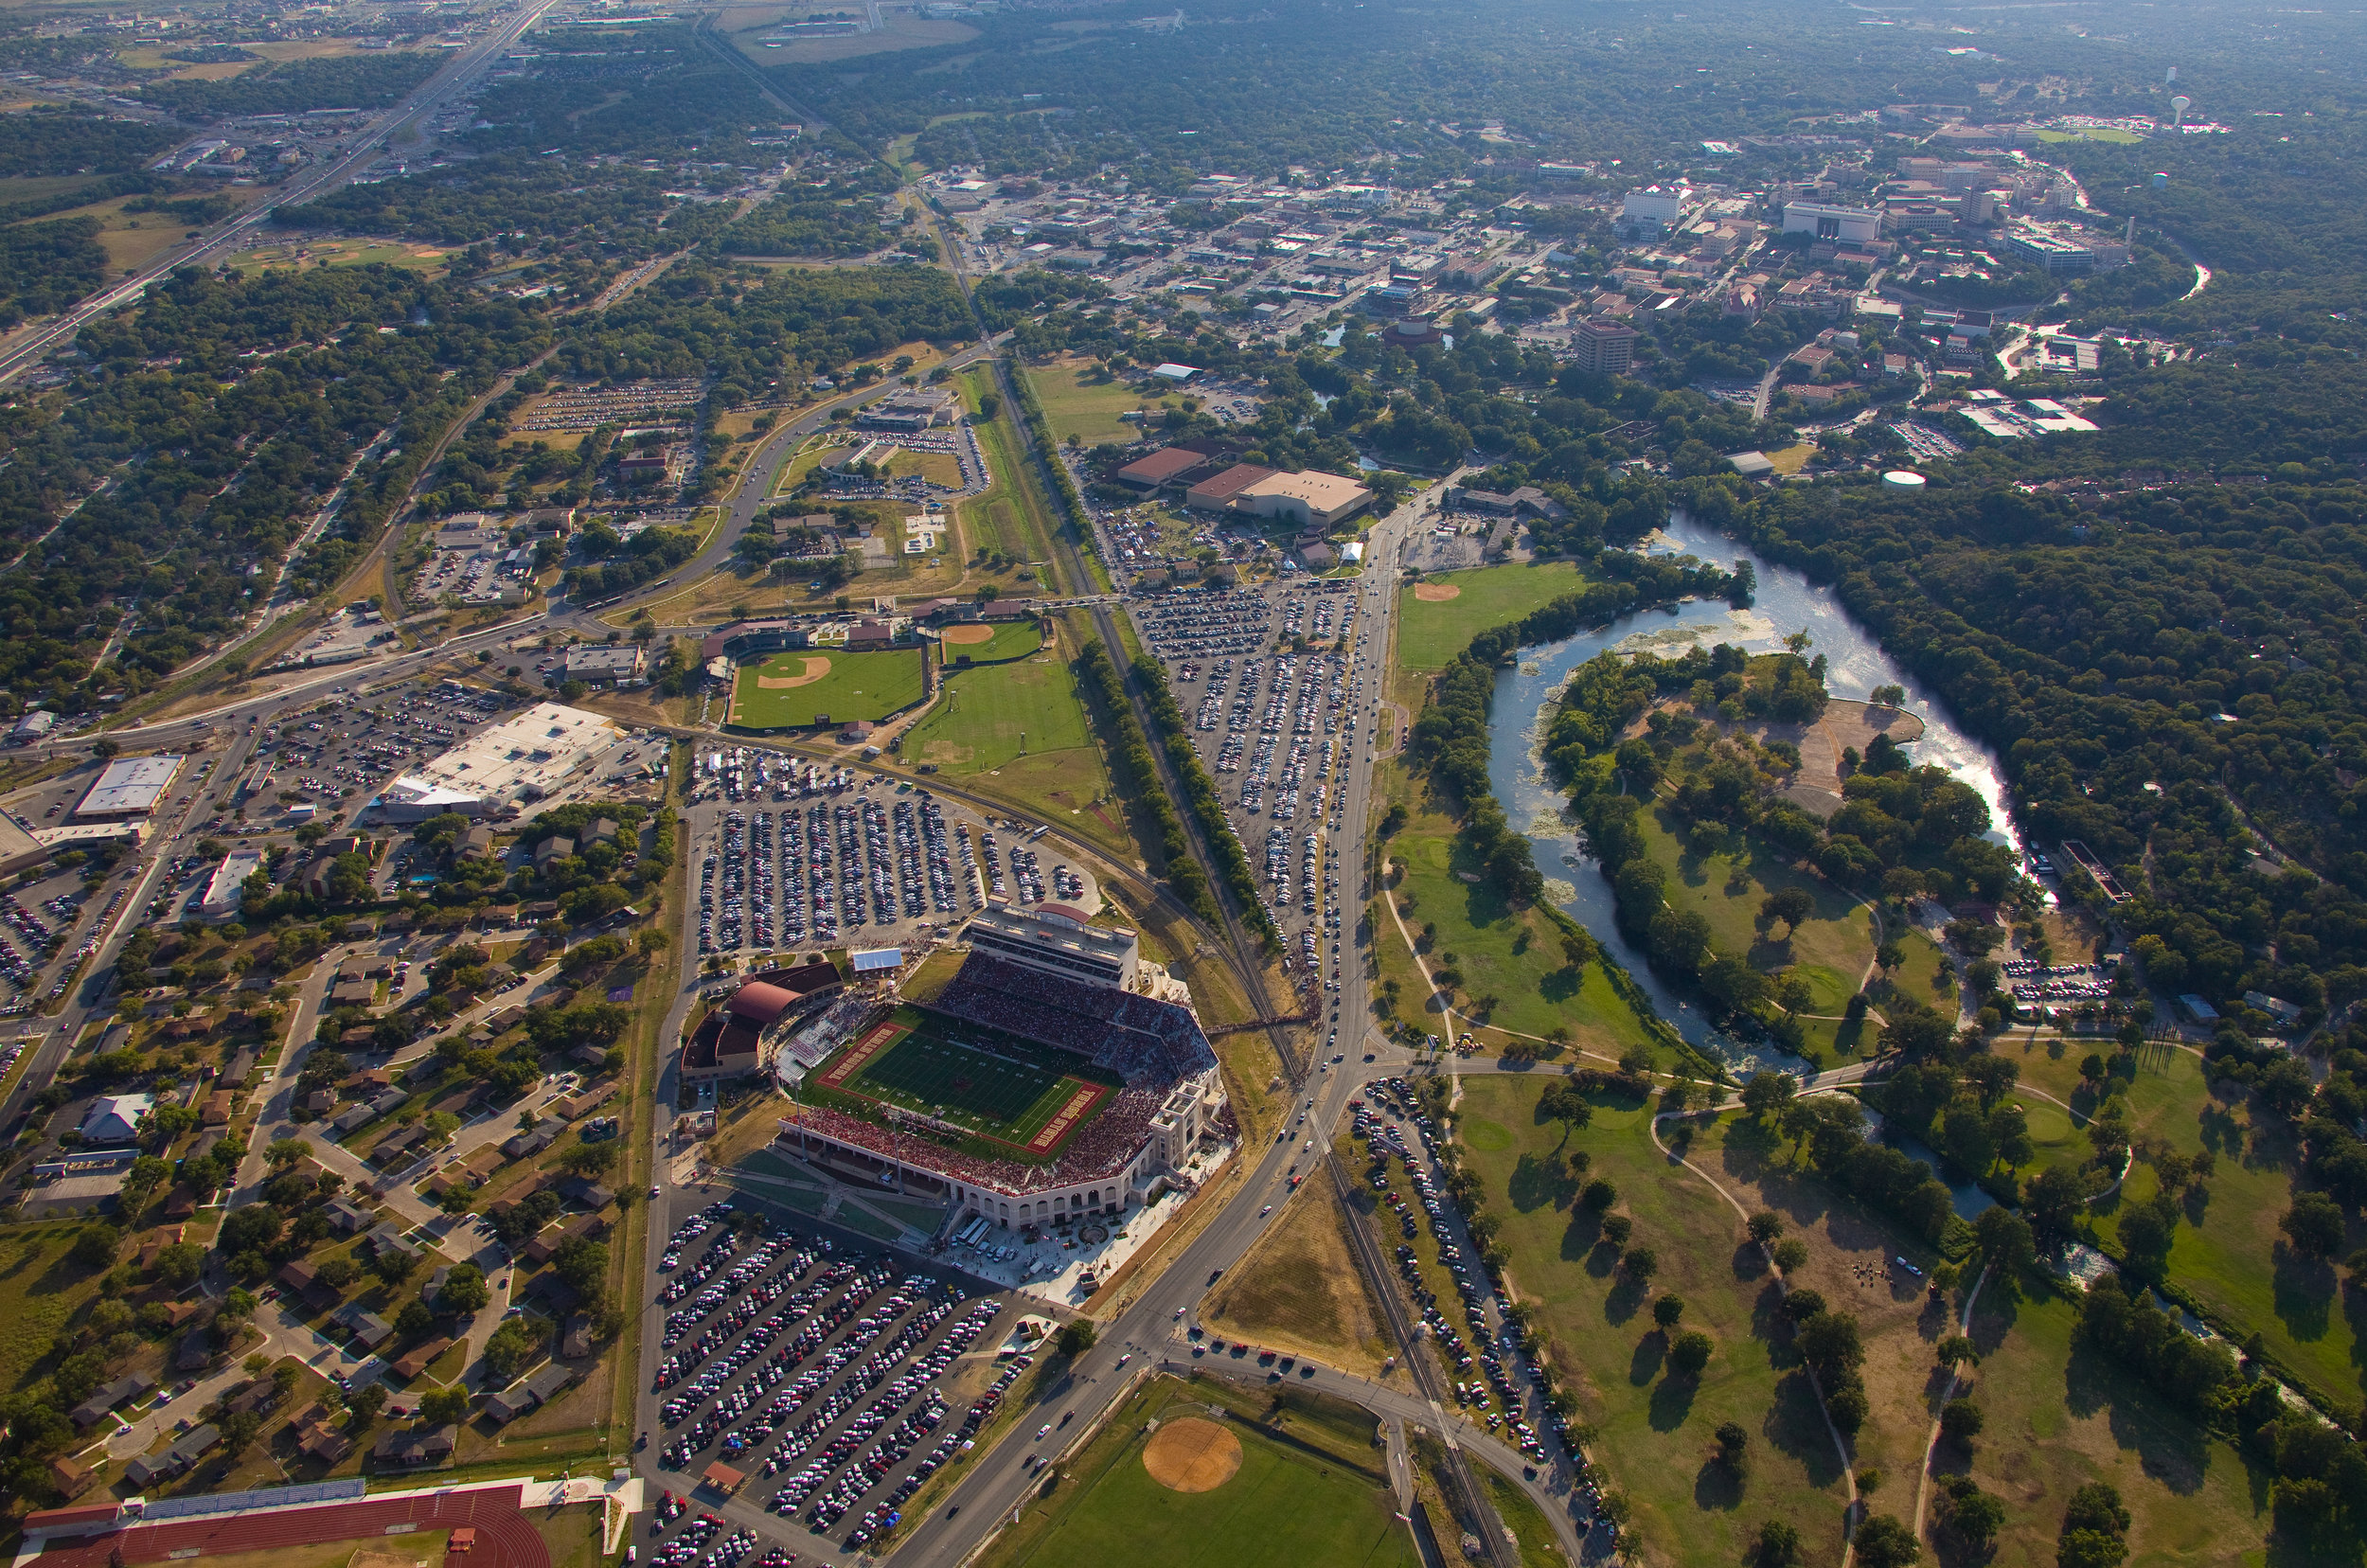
(1103, 1147)
(1143, 1042)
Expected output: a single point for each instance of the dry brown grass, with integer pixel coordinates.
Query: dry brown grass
(1299, 1290)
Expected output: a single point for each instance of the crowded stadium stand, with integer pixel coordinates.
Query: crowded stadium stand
(1140, 1142)
(1140, 1040)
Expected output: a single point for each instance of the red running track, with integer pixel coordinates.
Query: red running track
(504, 1537)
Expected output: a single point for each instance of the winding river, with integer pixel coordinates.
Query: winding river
(1787, 603)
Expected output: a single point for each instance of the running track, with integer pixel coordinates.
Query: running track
(504, 1537)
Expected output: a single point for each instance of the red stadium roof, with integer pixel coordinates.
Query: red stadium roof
(760, 1003)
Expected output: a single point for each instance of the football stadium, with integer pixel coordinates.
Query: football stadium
(1020, 1093)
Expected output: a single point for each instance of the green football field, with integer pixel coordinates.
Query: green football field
(1007, 1093)
(798, 689)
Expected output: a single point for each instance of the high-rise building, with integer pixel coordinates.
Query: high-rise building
(1601, 347)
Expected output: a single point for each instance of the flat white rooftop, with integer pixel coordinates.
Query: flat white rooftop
(129, 786)
(524, 756)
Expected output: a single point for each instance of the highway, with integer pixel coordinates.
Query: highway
(430, 95)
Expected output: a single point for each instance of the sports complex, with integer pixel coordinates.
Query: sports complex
(1018, 1094)
(1016, 1097)
(803, 688)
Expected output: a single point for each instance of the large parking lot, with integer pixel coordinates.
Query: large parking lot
(1275, 730)
(835, 1383)
(801, 854)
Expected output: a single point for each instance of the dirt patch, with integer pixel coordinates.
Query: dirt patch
(1192, 1455)
(816, 667)
(962, 637)
(1299, 1291)
(1435, 593)
(380, 1557)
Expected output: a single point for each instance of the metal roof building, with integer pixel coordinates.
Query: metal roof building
(129, 786)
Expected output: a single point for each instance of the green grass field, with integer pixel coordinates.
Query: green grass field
(1511, 954)
(1012, 640)
(1010, 516)
(1655, 1428)
(2059, 1415)
(850, 686)
(1284, 1505)
(1078, 400)
(1431, 632)
(1830, 950)
(42, 1289)
(1002, 1098)
(978, 724)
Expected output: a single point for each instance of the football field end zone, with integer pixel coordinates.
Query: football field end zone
(852, 1060)
(1069, 1117)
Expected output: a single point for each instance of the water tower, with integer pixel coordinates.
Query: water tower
(2179, 106)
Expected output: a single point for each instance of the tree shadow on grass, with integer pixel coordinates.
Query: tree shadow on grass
(1795, 1426)
(1672, 1401)
(2304, 1293)
(1540, 1181)
(1716, 1489)
(1625, 1300)
(1583, 1243)
(1644, 1364)
(2170, 1446)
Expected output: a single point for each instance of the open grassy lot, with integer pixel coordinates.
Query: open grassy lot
(42, 1289)
(794, 690)
(1656, 1426)
(1083, 402)
(1012, 518)
(1009, 641)
(1513, 955)
(2059, 1415)
(975, 731)
(2227, 1249)
(987, 710)
(1432, 630)
(1296, 1498)
(338, 252)
(1830, 950)
(1299, 1290)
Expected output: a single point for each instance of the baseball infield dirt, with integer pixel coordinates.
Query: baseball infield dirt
(1192, 1455)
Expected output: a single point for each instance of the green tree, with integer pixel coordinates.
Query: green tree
(2313, 1225)
(1961, 1421)
(1882, 1542)
(1690, 1352)
(444, 1406)
(1076, 1337)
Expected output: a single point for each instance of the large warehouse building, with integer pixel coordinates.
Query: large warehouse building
(129, 786)
(527, 758)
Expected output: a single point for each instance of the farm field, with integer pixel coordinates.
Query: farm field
(794, 690)
(1438, 616)
(1082, 401)
(1251, 1499)
(338, 252)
